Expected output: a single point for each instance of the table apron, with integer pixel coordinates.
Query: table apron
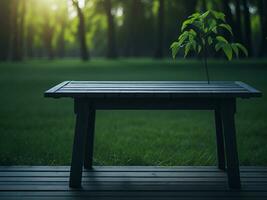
(156, 103)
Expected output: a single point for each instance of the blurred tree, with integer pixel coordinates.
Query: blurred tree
(129, 28)
(48, 33)
(18, 14)
(136, 17)
(29, 40)
(238, 22)
(29, 28)
(5, 29)
(14, 33)
(229, 17)
(160, 31)
(173, 20)
(247, 27)
(97, 26)
(22, 28)
(61, 39)
(137, 25)
(81, 32)
(262, 6)
(112, 49)
(38, 16)
(62, 16)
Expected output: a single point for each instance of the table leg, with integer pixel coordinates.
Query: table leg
(228, 112)
(82, 117)
(89, 141)
(219, 139)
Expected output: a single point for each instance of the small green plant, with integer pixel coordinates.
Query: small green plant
(201, 32)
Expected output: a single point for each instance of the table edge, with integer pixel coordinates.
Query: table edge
(252, 92)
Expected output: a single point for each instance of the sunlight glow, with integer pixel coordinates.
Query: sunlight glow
(119, 12)
(54, 7)
(72, 11)
(81, 3)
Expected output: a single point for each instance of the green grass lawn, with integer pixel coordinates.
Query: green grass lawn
(38, 131)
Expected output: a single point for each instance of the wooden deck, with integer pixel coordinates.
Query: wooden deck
(151, 183)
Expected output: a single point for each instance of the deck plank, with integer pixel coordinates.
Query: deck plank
(43, 182)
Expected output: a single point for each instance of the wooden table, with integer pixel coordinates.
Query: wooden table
(90, 96)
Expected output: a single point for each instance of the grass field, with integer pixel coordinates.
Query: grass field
(38, 131)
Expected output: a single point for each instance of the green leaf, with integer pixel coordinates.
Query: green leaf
(199, 49)
(181, 41)
(184, 35)
(219, 15)
(203, 29)
(191, 38)
(242, 48)
(204, 15)
(227, 27)
(192, 32)
(199, 25)
(175, 48)
(187, 49)
(210, 40)
(228, 51)
(214, 30)
(221, 39)
(174, 45)
(186, 23)
(195, 15)
(235, 48)
(211, 24)
(219, 45)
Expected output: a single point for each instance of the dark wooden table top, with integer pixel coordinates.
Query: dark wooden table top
(167, 89)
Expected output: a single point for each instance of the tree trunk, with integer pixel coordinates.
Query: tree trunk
(135, 11)
(21, 29)
(137, 20)
(29, 41)
(15, 42)
(81, 32)
(18, 14)
(48, 33)
(30, 31)
(61, 43)
(127, 29)
(263, 23)
(61, 39)
(134, 28)
(112, 50)
(48, 37)
(5, 29)
(160, 38)
(238, 22)
(247, 24)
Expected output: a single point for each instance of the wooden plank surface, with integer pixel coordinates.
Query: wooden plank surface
(153, 89)
(43, 182)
